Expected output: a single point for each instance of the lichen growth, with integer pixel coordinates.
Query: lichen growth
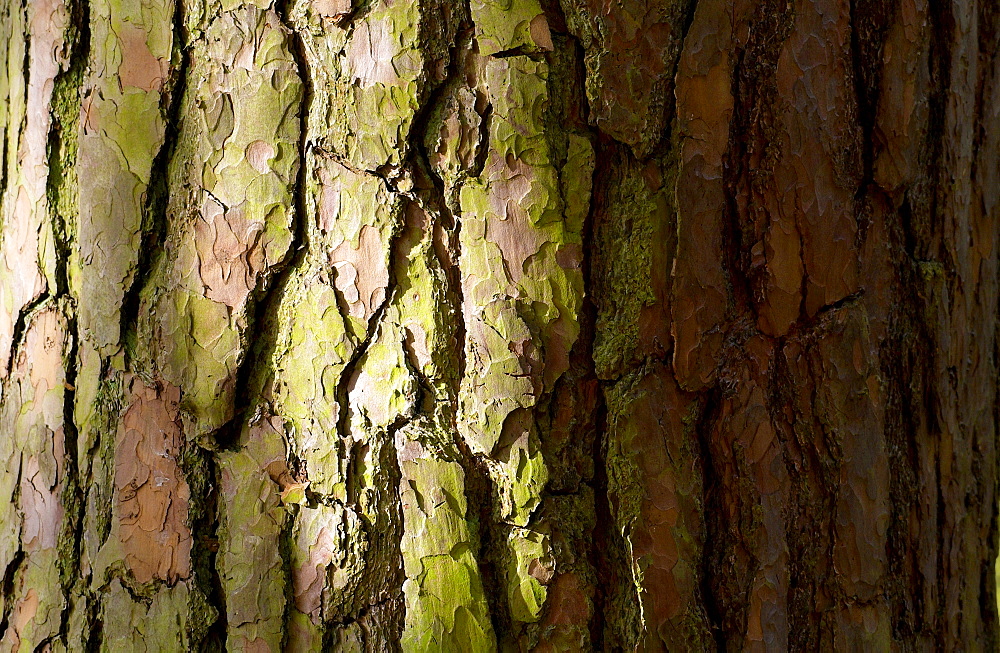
(229, 216)
(445, 604)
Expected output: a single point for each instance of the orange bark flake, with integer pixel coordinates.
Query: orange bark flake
(704, 110)
(139, 68)
(332, 8)
(151, 493)
(362, 275)
(230, 253)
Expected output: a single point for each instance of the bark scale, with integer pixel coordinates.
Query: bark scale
(499, 325)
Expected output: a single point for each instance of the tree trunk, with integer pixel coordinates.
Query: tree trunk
(484, 325)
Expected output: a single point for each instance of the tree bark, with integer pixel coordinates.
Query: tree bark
(485, 325)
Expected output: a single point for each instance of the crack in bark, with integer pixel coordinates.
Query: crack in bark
(350, 370)
(4, 176)
(715, 529)
(204, 532)
(801, 597)
(942, 33)
(25, 66)
(943, 30)
(344, 386)
(7, 585)
(606, 539)
(21, 325)
(259, 338)
(520, 51)
(478, 484)
(607, 550)
(479, 491)
(73, 495)
(418, 162)
(989, 32)
(155, 209)
(260, 342)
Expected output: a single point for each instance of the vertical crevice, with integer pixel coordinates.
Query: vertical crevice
(941, 43)
(995, 525)
(4, 168)
(439, 199)
(749, 159)
(156, 206)
(870, 21)
(205, 482)
(683, 13)
(984, 444)
(479, 493)
(804, 509)
(989, 36)
(73, 497)
(608, 551)
(351, 368)
(933, 248)
(909, 416)
(19, 323)
(26, 62)
(61, 156)
(606, 554)
(261, 336)
(4, 176)
(900, 428)
(479, 489)
(7, 584)
(260, 340)
(606, 540)
(713, 512)
(5, 171)
(95, 638)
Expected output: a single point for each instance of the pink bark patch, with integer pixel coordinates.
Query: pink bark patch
(151, 493)
(139, 68)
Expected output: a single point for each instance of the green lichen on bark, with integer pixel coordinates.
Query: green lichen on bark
(252, 521)
(510, 25)
(543, 325)
(445, 605)
(33, 513)
(229, 214)
(370, 77)
(523, 289)
(121, 132)
(173, 620)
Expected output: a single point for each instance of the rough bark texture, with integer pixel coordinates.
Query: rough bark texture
(499, 324)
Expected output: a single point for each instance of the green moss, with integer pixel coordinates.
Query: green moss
(62, 186)
(630, 239)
